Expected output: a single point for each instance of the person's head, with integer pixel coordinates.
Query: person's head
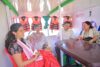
(45, 45)
(87, 25)
(67, 25)
(38, 28)
(16, 32)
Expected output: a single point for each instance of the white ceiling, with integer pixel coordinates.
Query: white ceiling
(69, 9)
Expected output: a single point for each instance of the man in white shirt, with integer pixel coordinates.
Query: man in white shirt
(65, 34)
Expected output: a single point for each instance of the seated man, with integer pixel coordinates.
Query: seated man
(66, 34)
(37, 38)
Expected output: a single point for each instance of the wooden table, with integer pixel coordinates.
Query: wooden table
(87, 54)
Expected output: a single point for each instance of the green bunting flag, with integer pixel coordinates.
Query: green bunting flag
(7, 2)
(46, 18)
(65, 2)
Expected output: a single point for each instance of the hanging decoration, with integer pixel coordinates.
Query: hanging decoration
(66, 18)
(24, 22)
(46, 18)
(64, 3)
(90, 13)
(7, 2)
(54, 25)
(36, 22)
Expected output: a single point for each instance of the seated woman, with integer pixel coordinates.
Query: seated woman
(22, 54)
(89, 33)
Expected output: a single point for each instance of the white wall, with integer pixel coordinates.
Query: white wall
(4, 60)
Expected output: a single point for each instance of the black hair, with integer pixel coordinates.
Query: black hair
(10, 38)
(45, 45)
(67, 22)
(88, 23)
